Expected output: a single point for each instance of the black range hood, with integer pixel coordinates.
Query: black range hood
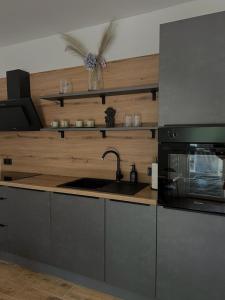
(18, 113)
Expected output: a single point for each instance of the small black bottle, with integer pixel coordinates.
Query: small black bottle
(133, 174)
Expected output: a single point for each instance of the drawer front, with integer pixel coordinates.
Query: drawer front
(4, 213)
(3, 237)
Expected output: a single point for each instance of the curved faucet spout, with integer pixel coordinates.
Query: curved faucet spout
(119, 174)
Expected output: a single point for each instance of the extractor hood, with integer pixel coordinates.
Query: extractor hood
(18, 113)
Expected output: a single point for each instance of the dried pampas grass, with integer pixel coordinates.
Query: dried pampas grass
(74, 46)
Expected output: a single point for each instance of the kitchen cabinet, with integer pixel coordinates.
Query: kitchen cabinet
(192, 71)
(4, 218)
(78, 234)
(131, 246)
(29, 224)
(3, 237)
(4, 211)
(190, 259)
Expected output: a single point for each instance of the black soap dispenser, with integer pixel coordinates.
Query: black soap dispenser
(133, 174)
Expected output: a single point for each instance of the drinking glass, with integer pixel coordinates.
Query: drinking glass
(128, 120)
(65, 86)
(136, 120)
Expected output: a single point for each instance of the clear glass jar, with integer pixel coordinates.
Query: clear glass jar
(137, 120)
(65, 86)
(128, 120)
(95, 79)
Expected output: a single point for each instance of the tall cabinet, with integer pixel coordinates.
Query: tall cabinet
(191, 255)
(192, 71)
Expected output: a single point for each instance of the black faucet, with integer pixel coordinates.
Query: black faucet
(119, 174)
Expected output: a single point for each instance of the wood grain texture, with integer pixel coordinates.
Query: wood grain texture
(79, 154)
(50, 183)
(19, 283)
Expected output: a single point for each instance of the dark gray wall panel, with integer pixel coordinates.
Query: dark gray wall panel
(192, 71)
(191, 256)
(131, 246)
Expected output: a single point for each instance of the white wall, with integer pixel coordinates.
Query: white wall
(136, 36)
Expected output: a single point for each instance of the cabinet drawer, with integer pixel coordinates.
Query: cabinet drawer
(3, 237)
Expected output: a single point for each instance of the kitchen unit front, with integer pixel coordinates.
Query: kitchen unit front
(112, 242)
(192, 71)
(29, 223)
(78, 234)
(190, 255)
(191, 213)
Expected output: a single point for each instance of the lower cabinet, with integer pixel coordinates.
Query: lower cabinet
(101, 239)
(3, 237)
(78, 234)
(131, 246)
(191, 255)
(115, 242)
(4, 210)
(29, 224)
(4, 219)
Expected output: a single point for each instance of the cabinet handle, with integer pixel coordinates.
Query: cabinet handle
(2, 198)
(2, 225)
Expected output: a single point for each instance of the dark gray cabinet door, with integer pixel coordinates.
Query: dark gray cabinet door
(78, 234)
(3, 237)
(29, 224)
(191, 256)
(4, 218)
(4, 211)
(192, 71)
(131, 246)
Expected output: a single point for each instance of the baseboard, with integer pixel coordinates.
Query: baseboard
(72, 277)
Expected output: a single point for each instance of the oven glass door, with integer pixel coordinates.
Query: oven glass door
(192, 175)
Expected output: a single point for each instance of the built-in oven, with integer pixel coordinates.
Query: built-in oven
(192, 168)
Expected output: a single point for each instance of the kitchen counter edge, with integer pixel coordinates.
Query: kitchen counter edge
(49, 183)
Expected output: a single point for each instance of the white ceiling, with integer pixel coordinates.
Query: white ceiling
(23, 20)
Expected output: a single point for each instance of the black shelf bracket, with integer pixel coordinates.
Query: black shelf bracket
(103, 134)
(103, 99)
(61, 102)
(153, 133)
(154, 94)
(62, 133)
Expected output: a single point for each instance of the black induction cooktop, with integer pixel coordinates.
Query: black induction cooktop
(11, 176)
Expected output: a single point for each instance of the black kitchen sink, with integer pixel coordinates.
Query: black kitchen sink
(87, 183)
(105, 185)
(123, 187)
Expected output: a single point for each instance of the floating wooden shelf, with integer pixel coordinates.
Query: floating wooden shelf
(152, 88)
(151, 127)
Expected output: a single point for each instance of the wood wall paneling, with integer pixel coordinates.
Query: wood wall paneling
(79, 153)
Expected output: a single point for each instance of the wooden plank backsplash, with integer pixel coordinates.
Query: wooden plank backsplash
(79, 154)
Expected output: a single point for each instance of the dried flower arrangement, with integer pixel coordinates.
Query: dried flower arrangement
(93, 63)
